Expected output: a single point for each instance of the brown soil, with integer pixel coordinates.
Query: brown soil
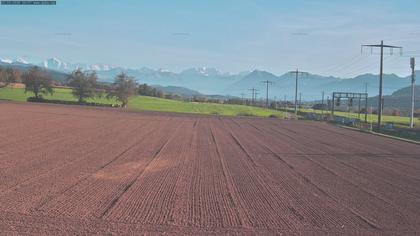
(68, 170)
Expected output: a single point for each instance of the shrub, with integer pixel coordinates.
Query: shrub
(245, 114)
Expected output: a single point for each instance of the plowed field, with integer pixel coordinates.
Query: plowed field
(75, 170)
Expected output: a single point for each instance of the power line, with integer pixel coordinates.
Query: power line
(361, 69)
(332, 67)
(358, 58)
(365, 69)
(357, 63)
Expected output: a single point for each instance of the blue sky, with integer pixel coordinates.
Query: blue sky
(318, 36)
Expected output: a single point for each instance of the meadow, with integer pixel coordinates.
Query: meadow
(145, 103)
(371, 118)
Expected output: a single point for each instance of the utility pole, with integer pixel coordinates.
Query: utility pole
(328, 103)
(300, 100)
(253, 91)
(297, 73)
(358, 109)
(242, 98)
(366, 101)
(267, 82)
(275, 102)
(413, 81)
(256, 97)
(322, 105)
(380, 102)
(285, 102)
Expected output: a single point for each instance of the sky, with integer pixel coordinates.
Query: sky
(318, 36)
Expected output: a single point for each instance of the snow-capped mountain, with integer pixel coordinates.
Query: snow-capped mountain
(5, 60)
(56, 64)
(98, 67)
(203, 71)
(21, 60)
(18, 60)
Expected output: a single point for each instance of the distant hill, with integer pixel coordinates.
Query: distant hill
(406, 92)
(181, 91)
(400, 99)
(189, 93)
(254, 79)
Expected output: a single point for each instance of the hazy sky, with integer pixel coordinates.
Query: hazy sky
(319, 36)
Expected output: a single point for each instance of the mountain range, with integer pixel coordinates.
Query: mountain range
(205, 80)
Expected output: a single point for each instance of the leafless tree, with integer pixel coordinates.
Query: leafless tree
(9, 75)
(122, 89)
(38, 81)
(84, 84)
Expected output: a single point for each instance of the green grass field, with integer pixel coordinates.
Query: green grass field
(152, 104)
(371, 118)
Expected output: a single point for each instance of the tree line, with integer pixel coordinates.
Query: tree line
(84, 85)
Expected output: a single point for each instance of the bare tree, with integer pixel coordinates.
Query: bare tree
(8, 76)
(38, 81)
(122, 89)
(84, 85)
(4, 80)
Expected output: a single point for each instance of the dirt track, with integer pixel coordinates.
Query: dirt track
(71, 170)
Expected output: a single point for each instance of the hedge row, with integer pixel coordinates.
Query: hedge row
(33, 99)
